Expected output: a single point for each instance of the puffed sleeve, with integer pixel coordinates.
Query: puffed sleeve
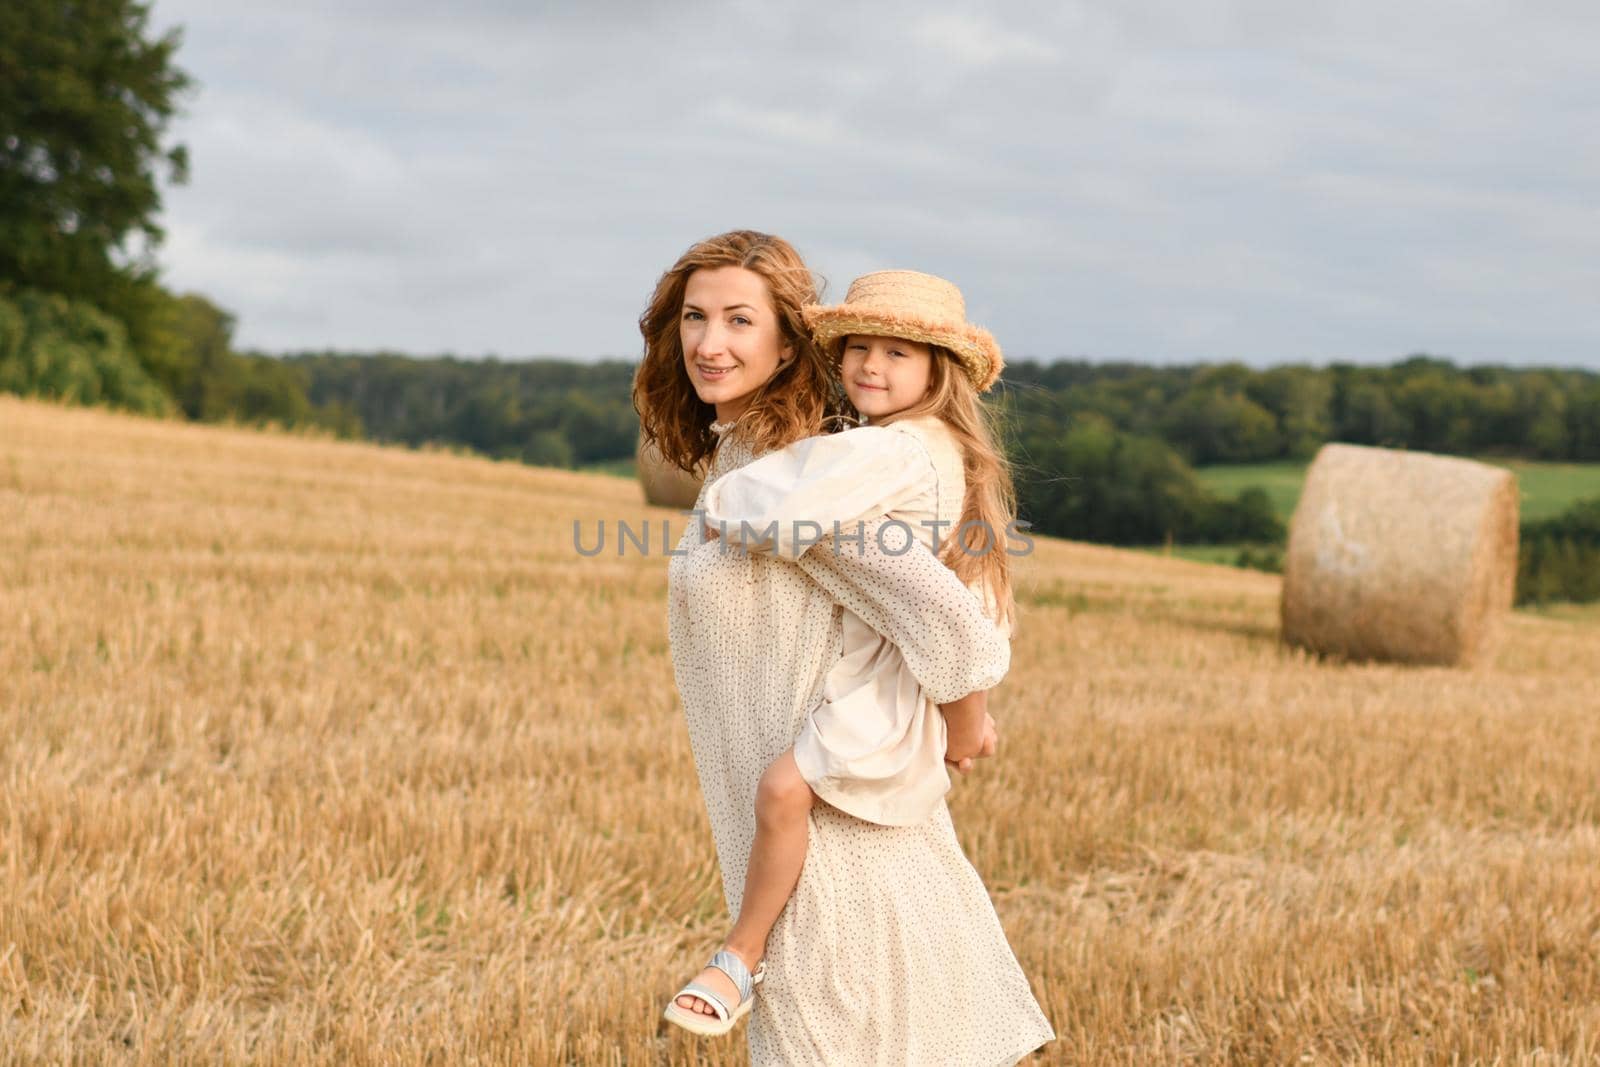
(790, 499)
(901, 590)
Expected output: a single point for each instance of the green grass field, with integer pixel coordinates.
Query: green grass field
(1547, 488)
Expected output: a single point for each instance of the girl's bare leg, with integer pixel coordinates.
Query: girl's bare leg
(783, 802)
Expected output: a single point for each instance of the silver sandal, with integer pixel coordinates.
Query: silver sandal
(725, 1017)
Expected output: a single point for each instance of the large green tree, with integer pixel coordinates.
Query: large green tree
(86, 97)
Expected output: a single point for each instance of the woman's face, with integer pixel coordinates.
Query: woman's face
(732, 343)
(883, 375)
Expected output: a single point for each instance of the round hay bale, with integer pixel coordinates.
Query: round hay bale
(1400, 556)
(665, 485)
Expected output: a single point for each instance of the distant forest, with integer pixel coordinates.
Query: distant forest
(558, 413)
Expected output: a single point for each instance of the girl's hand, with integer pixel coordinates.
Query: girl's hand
(964, 725)
(991, 741)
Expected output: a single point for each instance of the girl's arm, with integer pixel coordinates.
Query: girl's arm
(964, 721)
(902, 591)
(791, 499)
(991, 741)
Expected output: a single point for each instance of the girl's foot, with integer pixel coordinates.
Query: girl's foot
(718, 980)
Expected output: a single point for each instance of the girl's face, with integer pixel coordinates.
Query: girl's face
(883, 375)
(732, 343)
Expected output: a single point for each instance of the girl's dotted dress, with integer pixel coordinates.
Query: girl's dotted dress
(890, 952)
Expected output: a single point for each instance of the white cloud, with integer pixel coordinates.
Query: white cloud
(789, 125)
(971, 39)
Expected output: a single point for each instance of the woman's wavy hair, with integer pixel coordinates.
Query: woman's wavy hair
(792, 404)
(977, 549)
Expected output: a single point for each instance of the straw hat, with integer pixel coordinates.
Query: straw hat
(920, 307)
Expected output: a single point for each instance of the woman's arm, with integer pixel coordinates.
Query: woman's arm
(903, 592)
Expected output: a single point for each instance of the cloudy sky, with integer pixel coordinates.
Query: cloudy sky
(1159, 180)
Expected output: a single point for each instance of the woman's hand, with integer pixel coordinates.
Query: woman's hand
(991, 741)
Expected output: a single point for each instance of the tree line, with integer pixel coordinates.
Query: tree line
(1232, 413)
(1146, 419)
(1145, 428)
(550, 413)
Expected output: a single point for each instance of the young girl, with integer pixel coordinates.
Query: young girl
(875, 746)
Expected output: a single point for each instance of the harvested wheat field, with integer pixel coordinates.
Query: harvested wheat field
(324, 753)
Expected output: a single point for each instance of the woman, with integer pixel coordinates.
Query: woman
(889, 951)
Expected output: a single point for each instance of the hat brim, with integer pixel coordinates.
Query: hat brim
(973, 347)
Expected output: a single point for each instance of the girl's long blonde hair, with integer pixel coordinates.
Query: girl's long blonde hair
(791, 405)
(977, 550)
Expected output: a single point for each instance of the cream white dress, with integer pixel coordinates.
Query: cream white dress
(875, 744)
(889, 952)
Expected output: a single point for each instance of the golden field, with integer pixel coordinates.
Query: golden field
(325, 753)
